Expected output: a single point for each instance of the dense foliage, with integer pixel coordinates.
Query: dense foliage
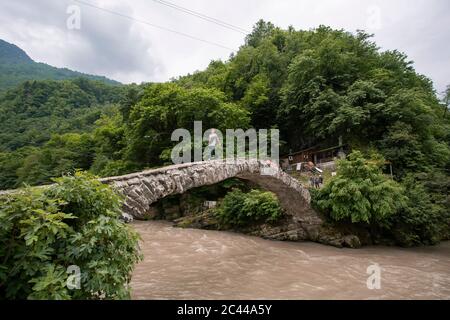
(74, 222)
(46, 128)
(35, 110)
(425, 218)
(322, 84)
(361, 193)
(166, 107)
(317, 86)
(240, 209)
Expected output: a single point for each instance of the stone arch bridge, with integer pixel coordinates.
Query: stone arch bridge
(301, 222)
(147, 187)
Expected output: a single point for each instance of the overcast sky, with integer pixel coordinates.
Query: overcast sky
(131, 51)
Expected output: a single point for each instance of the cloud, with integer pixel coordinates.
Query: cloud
(105, 44)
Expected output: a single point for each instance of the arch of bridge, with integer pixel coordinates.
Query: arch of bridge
(147, 187)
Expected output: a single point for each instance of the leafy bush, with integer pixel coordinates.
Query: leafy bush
(407, 212)
(421, 220)
(239, 208)
(360, 192)
(73, 222)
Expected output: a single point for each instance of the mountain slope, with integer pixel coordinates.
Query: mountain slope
(16, 67)
(11, 54)
(34, 110)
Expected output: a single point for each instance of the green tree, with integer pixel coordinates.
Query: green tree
(261, 30)
(240, 209)
(34, 110)
(167, 107)
(422, 220)
(62, 154)
(360, 192)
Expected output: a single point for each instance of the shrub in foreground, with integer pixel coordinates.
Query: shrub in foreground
(239, 208)
(71, 223)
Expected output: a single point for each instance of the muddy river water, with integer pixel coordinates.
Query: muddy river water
(201, 264)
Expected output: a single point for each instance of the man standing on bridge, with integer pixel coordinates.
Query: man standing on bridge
(213, 141)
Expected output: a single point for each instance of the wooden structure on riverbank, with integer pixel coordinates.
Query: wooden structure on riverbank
(315, 155)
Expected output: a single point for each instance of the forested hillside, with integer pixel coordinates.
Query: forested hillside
(16, 66)
(315, 86)
(318, 85)
(41, 117)
(34, 110)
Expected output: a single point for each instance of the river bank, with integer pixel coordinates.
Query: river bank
(205, 264)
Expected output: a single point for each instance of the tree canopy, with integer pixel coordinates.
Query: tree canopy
(316, 86)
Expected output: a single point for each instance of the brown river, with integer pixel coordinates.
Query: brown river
(202, 264)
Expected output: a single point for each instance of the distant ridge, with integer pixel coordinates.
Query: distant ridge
(10, 53)
(16, 66)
